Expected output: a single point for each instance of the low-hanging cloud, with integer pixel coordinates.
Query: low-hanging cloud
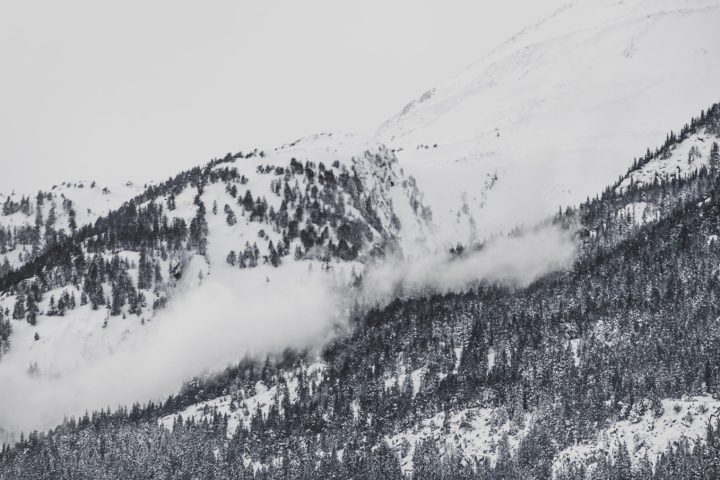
(205, 327)
(228, 315)
(516, 260)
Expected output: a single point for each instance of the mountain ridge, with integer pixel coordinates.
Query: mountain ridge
(559, 110)
(246, 276)
(578, 375)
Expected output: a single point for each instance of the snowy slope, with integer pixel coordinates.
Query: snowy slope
(241, 406)
(203, 311)
(646, 433)
(81, 201)
(89, 199)
(397, 214)
(681, 160)
(475, 433)
(677, 161)
(552, 115)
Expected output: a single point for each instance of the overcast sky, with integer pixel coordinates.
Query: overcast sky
(139, 90)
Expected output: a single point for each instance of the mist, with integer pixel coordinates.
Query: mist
(208, 324)
(219, 315)
(515, 260)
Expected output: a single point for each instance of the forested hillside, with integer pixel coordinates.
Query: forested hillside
(558, 109)
(575, 375)
(87, 291)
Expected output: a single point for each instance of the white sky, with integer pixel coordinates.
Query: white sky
(139, 90)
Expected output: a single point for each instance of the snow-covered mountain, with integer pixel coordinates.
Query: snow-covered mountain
(29, 221)
(553, 114)
(646, 434)
(253, 258)
(217, 250)
(588, 362)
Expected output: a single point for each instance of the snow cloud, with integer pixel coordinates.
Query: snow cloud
(219, 315)
(208, 324)
(515, 260)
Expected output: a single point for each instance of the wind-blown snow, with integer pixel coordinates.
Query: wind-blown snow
(77, 364)
(554, 114)
(216, 313)
(514, 260)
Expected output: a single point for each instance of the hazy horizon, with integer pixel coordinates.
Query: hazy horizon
(137, 92)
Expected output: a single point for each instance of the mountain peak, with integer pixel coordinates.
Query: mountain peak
(558, 109)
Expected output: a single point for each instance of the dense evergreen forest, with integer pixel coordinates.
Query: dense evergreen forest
(310, 222)
(641, 303)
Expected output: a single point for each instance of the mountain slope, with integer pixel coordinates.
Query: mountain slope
(214, 252)
(606, 369)
(584, 374)
(30, 222)
(558, 110)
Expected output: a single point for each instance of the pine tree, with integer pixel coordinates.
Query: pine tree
(32, 309)
(145, 272)
(426, 461)
(273, 256)
(117, 300)
(19, 308)
(714, 157)
(199, 230)
(230, 215)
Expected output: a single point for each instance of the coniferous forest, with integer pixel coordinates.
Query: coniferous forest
(634, 321)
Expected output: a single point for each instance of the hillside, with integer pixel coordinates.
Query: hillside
(29, 222)
(213, 252)
(554, 113)
(516, 278)
(581, 374)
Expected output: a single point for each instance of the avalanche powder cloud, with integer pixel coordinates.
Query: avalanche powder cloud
(518, 260)
(220, 315)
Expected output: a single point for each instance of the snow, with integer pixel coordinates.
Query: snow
(546, 119)
(645, 434)
(385, 185)
(239, 408)
(392, 192)
(475, 433)
(684, 158)
(458, 359)
(89, 201)
(679, 161)
(216, 313)
(575, 349)
(557, 112)
(79, 337)
(640, 212)
(490, 359)
(415, 376)
(355, 407)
